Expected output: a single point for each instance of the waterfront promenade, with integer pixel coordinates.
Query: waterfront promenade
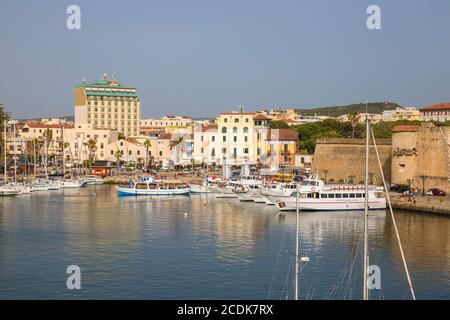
(427, 204)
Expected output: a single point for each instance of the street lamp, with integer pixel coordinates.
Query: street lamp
(325, 171)
(423, 185)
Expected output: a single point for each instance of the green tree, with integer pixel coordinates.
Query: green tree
(147, 145)
(354, 120)
(118, 154)
(92, 147)
(278, 124)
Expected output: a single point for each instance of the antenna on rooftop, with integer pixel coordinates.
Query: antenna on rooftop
(241, 108)
(105, 75)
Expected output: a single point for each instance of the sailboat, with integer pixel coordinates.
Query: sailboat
(366, 268)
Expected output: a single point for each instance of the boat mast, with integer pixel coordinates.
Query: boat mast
(14, 147)
(34, 157)
(296, 245)
(5, 164)
(63, 157)
(366, 214)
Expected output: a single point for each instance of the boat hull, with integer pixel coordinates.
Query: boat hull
(290, 205)
(200, 189)
(125, 191)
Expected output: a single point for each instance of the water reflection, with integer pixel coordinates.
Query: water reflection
(201, 247)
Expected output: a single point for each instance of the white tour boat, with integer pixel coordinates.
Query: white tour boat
(152, 187)
(332, 198)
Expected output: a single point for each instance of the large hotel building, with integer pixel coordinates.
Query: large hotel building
(107, 104)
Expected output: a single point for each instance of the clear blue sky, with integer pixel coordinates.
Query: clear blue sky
(200, 57)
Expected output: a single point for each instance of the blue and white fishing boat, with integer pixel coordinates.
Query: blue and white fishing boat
(150, 186)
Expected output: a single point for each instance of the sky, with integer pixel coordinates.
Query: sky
(202, 57)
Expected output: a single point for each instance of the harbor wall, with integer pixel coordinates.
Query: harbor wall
(343, 160)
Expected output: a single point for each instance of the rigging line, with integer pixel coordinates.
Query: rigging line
(277, 262)
(393, 220)
(350, 279)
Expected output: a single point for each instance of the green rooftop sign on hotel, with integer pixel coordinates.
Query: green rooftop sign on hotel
(112, 88)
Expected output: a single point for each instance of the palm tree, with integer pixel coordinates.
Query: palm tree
(147, 145)
(118, 154)
(48, 138)
(354, 119)
(92, 147)
(174, 143)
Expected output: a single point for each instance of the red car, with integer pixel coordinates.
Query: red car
(436, 192)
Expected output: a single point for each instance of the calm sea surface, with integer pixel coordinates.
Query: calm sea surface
(197, 247)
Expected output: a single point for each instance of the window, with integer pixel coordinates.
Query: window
(224, 150)
(345, 195)
(235, 130)
(352, 195)
(129, 152)
(201, 138)
(258, 151)
(213, 138)
(224, 138)
(246, 120)
(160, 153)
(331, 195)
(201, 150)
(246, 138)
(236, 120)
(359, 195)
(324, 195)
(138, 152)
(246, 150)
(224, 129)
(339, 195)
(225, 120)
(235, 138)
(213, 152)
(245, 130)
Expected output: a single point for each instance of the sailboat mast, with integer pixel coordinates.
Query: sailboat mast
(6, 154)
(296, 286)
(14, 147)
(366, 215)
(63, 156)
(34, 157)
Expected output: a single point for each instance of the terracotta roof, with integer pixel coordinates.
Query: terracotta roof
(211, 127)
(405, 128)
(282, 135)
(165, 136)
(260, 117)
(131, 140)
(237, 113)
(38, 125)
(437, 107)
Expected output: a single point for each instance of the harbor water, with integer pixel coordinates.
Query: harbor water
(198, 247)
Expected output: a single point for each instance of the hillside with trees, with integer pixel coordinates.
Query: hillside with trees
(331, 128)
(336, 111)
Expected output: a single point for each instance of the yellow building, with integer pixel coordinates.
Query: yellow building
(107, 104)
(411, 114)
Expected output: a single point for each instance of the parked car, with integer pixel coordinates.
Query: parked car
(436, 192)
(398, 188)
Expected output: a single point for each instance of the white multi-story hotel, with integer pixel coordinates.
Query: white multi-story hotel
(107, 104)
